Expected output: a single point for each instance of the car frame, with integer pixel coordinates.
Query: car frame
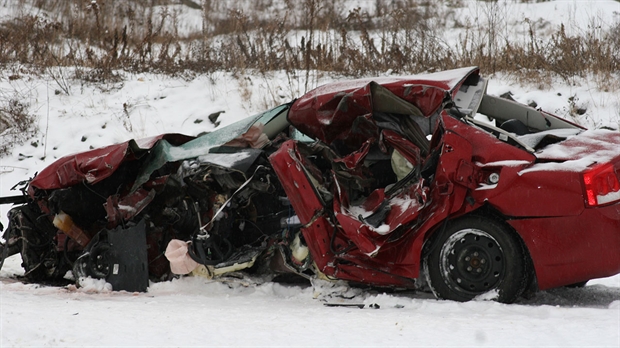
(401, 182)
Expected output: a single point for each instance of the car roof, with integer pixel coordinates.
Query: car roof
(341, 110)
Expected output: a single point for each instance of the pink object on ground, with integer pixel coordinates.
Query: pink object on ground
(180, 261)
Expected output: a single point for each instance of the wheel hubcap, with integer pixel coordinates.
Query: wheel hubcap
(473, 261)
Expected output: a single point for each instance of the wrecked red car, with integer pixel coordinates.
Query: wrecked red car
(405, 182)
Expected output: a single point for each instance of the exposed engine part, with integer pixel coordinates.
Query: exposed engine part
(210, 251)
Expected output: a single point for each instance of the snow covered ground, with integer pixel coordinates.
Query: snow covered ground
(252, 312)
(197, 312)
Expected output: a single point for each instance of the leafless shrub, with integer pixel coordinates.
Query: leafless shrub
(16, 123)
(100, 38)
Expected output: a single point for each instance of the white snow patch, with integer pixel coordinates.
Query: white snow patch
(482, 187)
(224, 159)
(488, 296)
(358, 210)
(507, 163)
(92, 285)
(532, 140)
(610, 197)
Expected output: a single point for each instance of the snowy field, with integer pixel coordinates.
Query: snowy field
(198, 312)
(253, 312)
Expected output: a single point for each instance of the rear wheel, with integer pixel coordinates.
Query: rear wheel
(476, 256)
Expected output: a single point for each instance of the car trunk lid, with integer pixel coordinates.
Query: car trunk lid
(587, 148)
(595, 154)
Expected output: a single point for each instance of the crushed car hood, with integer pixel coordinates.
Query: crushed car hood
(98, 164)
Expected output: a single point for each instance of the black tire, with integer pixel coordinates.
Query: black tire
(477, 255)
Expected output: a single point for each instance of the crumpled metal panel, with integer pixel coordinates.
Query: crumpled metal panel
(120, 209)
(349, 247)
(91, 166)
(95, 165)
(343, 110)
(296, 181)
(397, 211)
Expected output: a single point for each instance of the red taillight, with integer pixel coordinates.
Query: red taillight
(601, 184)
